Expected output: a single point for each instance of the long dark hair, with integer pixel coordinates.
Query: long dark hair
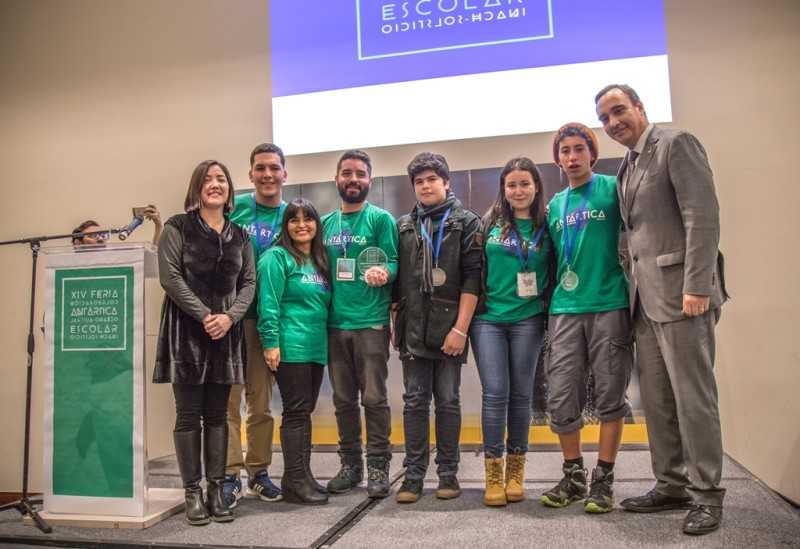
(318, 254)
(501, 211)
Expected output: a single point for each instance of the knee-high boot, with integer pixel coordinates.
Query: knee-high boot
(187, 451)
(216, 452)
(295, 484)
(307, 459)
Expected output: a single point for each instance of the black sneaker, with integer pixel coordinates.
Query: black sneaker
(448, 488)
(572, 487)
(348, 477)
(601, 493)
(410, 491)
(378, 479)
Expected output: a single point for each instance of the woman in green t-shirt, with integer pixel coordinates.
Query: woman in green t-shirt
(293, 299)
(507, 333)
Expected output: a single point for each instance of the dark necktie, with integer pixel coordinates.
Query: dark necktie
(632, 156)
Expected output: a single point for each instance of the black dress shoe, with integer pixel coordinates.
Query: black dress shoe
(653, 502)
(702, 519)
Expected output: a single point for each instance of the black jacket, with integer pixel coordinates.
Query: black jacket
(423, 320)
(202, 272)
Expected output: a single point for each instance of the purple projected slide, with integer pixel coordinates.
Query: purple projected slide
(320, 45)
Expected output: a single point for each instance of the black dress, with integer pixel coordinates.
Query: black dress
(202, 272)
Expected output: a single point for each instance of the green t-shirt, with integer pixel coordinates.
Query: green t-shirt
(262, 223)
(356, 305)
(502, 265)
(292, 307)
(595, 230)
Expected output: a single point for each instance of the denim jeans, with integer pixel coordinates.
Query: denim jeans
(506, 355)
(357, 366)
(423, 378)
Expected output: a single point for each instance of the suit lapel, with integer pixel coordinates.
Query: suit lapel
(641, 168)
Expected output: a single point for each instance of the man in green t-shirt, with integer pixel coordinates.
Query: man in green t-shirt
(260, 213)
(361, 240)
(589, 321)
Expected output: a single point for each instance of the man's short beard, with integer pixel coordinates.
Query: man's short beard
(357, 199)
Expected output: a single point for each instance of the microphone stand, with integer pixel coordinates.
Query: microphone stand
(25, 504)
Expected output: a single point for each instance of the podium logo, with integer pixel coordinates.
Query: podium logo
(392, 28)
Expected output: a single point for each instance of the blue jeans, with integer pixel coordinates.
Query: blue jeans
(506, 355)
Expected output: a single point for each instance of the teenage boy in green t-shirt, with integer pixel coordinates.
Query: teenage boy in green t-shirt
(260, 213)
(589, 323)
(361, 241)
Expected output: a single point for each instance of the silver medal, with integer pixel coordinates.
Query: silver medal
(569, 280)
(438, 276)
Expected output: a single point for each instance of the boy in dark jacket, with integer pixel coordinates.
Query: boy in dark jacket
(435, 295)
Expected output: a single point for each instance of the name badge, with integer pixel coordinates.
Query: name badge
(345, 269)
(526, 285)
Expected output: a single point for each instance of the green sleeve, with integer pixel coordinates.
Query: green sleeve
(272, 274)
(388, 241)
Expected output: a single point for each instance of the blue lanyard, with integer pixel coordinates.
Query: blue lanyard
(435, 248)
(570, 237)
(342, 243)
(261, 245)
(524, 262)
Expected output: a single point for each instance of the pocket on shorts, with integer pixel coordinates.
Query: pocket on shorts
(620, 356)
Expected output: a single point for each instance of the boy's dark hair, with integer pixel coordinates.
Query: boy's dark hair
(428, 161)
(267, 148)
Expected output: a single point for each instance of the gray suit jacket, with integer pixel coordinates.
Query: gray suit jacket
(670, 212)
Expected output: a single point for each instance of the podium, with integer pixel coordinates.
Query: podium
(95, 456)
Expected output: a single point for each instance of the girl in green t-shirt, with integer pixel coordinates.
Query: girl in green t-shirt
(293, 299)
(507, 334)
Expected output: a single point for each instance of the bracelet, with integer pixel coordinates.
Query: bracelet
(459, 332)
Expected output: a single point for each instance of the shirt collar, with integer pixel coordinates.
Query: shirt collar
(639, 148)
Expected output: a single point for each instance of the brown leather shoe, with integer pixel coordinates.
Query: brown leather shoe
(410, 491)
(448, 488)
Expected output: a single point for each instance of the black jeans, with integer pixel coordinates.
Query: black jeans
(206, 401)
(423, 378)
(299, 385)
(357, 365)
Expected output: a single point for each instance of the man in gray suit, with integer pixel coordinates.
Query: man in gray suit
(671, 216)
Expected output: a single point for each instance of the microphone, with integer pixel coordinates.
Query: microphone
(125, 231)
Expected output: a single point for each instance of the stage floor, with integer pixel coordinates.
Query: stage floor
(754, 516)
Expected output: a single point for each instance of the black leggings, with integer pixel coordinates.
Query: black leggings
(208, 401)
(299, 385)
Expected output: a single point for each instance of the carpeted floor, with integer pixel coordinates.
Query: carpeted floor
(754, 516)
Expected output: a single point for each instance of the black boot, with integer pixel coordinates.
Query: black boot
(295, 485)
(187, 450)
(216, 453)
(377, 477)
(307, 460)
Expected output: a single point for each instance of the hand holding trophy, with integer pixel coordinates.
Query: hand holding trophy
(372, 263)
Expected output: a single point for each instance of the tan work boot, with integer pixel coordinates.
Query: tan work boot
(495, 494)
(515, 477)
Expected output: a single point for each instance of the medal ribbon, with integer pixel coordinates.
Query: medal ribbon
(570, 238)
(524, 259)
(435, 248)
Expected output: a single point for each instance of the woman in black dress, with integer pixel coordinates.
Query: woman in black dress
(206, 269)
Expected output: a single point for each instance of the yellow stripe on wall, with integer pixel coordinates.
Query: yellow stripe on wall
(325, 432)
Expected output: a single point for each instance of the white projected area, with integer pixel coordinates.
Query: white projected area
(373, 73)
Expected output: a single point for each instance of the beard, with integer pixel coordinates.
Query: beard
(353, 199)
